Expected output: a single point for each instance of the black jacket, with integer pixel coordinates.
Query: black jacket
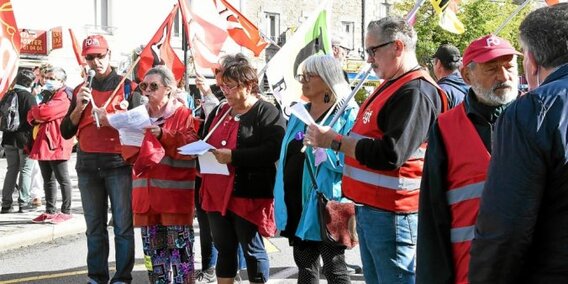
(259, 137)
(434, 264)
(521, 235)
(21, 138)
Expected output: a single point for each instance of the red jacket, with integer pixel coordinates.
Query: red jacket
(165, 183)
(48, 144)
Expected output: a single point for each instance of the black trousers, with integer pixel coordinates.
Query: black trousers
(53, 171)
(306, 256)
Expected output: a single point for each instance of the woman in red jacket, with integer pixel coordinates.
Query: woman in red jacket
(163, 182)
(49, 148)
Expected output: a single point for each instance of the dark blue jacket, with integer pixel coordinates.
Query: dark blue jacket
(521, 235)
(455, 88)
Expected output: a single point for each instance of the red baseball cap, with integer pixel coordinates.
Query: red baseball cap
(487, 48)
(94, 44)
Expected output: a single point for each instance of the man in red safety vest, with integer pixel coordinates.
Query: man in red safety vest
(457, 159)
(384, 152)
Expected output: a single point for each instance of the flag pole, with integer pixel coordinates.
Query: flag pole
(504, 24)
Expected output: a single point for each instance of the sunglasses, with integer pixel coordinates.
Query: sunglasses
(153, 86)
(90, 57)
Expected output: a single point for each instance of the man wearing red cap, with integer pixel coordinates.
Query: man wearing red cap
(521, 234)
(385, 150)
(101, 170)
(457, 158)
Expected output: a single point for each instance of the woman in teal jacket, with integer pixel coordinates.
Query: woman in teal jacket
(323, 84)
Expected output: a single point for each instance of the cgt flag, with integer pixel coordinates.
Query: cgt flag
(207, 31)
(240, 29)
(159, 51)
(448, 20)
(9, 46)
(312, 37)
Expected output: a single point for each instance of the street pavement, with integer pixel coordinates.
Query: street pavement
(17, 231)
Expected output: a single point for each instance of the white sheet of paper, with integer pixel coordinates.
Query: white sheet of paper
(136, 118)
(209, 165)
(131, 137)
(198, 147)
(300, 111)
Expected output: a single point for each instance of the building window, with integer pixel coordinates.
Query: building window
(272, 28)
(349, 32)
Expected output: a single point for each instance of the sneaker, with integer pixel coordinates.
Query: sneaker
(354, 269)
(60, 218)
(26, 208)
(6, 210)
(44, 217)
(207, 276)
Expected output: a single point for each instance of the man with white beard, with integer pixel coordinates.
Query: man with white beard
(457, 159)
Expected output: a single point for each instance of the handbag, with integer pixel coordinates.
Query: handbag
(337, 222)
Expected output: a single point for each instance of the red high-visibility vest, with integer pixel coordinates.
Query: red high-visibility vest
(104, 139)
(468, 160)
(395, 190)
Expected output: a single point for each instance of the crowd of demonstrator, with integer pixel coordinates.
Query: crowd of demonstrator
(462, 180)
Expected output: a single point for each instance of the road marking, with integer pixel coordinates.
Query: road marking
(269, 246)
(42, 277)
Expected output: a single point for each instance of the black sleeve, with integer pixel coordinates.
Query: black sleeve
(272, 127)
(434, 260)
(513, 193)
(26, 101)
(68, 129)
(405, 121)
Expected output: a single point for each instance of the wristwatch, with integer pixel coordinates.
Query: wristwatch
(336, 143)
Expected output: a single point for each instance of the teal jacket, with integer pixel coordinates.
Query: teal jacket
(328, 178)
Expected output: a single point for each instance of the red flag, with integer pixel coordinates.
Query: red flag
(77, 49)
(208, 33)
(241, 30)
(159, 51)
(9, 46)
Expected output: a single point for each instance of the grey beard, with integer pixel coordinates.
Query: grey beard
(489, 97)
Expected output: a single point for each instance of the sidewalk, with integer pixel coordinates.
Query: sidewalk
(17, 229)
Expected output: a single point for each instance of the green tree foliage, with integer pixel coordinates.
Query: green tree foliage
(480, 17)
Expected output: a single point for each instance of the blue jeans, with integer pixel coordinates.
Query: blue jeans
(97, 186)
(18, 163)
(228, 232)
(387, 244)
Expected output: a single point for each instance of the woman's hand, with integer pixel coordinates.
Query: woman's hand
(223, 156)
(154, 130)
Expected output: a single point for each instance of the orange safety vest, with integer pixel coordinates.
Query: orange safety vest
(468, 161)
(104, 139)
(395, 190)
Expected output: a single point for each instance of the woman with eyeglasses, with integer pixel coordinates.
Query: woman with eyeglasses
(163, 182)
(323, 84)
(50, 148)
(246, 133)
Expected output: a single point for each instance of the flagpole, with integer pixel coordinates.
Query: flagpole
(502, 26)
(184, 42)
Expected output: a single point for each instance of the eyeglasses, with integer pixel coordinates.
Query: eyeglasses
(153, 86)
(371, 50)
(305, 78)
(226, 89)
(90, 57)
